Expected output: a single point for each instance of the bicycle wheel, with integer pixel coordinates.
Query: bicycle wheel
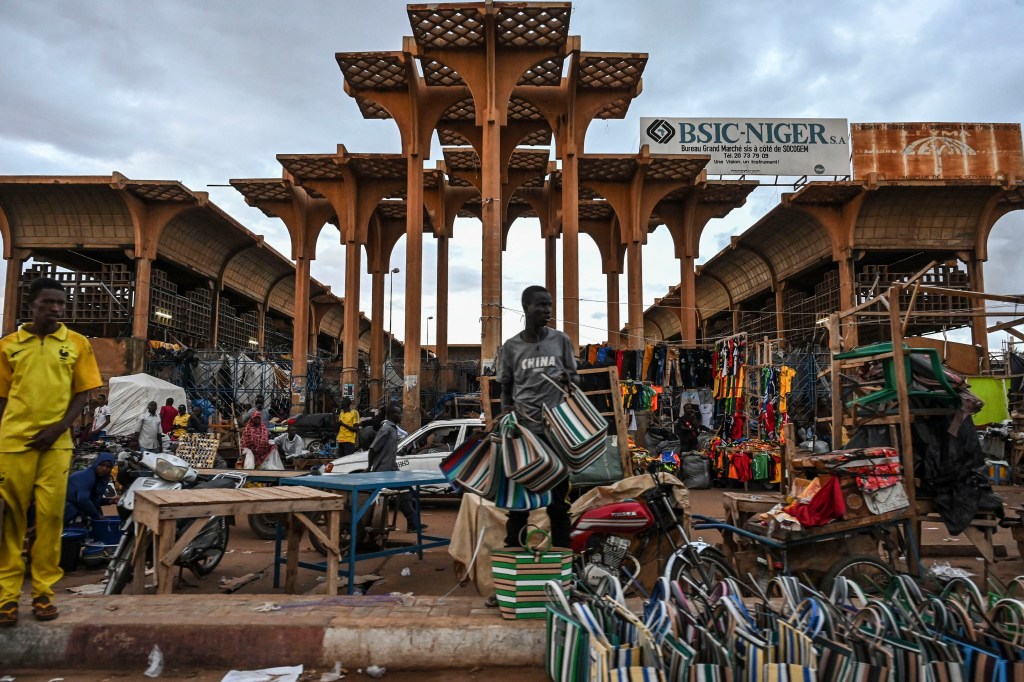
(713, 567)
(870, 573)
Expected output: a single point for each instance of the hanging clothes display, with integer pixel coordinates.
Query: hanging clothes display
(730, 364)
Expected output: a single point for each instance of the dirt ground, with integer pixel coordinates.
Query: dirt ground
(434, 575)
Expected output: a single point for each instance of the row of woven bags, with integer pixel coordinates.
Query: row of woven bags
(514, 468)
(791, 633)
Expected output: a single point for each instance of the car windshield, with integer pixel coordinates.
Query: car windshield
(434, 440)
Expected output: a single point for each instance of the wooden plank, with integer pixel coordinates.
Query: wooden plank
(139, 560)
(964, 293)
(244, 494)
(906, 438)
(152, 508)
(846, 525)
(164, 571)
(193, 530)
(170, 498)
(895, 419)
(251, 507)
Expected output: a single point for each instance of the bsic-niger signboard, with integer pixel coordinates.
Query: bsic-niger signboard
(755, 146)
(935, 151)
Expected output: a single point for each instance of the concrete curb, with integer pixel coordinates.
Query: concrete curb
(226, 631)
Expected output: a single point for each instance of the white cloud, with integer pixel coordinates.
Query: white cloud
(203, 92)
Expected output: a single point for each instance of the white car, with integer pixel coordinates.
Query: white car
(421, 450)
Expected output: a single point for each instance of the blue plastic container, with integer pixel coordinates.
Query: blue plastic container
(107, 530)
(71, 542)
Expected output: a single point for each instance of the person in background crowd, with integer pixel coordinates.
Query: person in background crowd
(46, 373)
(180, 427)
(369, 431)
(256, 437)
(149, 429)
(87, 489)
(100, 418)
(383, 456)
(348, 420)
(167, 415)
(197, 422)
(686, 429)
(258, 407)
(290, 444)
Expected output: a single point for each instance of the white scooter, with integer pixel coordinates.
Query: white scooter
(169, 472)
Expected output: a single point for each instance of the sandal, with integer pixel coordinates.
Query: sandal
(9, 614)
(43, 608)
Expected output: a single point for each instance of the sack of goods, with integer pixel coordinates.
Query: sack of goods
(576, 427)
(520, 576)
(695, 470)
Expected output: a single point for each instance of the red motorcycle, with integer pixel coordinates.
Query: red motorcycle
(602, 539)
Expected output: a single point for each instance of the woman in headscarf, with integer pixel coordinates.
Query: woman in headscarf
(87, 488)
(256, 437)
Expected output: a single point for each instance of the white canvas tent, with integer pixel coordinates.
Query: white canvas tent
(129, 396)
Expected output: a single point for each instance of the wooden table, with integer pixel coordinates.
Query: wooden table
(157, 513)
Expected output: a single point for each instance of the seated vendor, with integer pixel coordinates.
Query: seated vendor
(87, 489)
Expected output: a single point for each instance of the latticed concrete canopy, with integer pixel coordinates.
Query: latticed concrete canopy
(75, 219)
(811, 254)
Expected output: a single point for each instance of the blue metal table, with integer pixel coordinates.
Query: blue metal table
(372, 483)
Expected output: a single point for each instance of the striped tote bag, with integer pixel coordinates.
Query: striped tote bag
(475, 466)
(527, 459)
(575, 426)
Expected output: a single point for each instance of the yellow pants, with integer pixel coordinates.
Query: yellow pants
(25, 476)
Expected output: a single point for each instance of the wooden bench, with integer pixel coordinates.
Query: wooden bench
(157, 513)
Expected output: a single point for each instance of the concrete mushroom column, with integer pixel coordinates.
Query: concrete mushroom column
(304, 216)
(12, 292)
(413, 290)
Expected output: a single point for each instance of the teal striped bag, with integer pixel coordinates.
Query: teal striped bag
(527, 459)
(521, 577)
(576, 427)
(567, 653)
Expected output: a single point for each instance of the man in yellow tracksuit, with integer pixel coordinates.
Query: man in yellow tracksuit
(46, 373)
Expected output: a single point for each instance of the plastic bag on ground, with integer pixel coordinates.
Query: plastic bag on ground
(281, 674)
(156, 662)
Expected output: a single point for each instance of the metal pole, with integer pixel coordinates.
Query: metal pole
(391, 298)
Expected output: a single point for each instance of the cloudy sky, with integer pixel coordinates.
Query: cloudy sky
(202, 92)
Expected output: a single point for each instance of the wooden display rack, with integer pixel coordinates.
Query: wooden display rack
(843, 337)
